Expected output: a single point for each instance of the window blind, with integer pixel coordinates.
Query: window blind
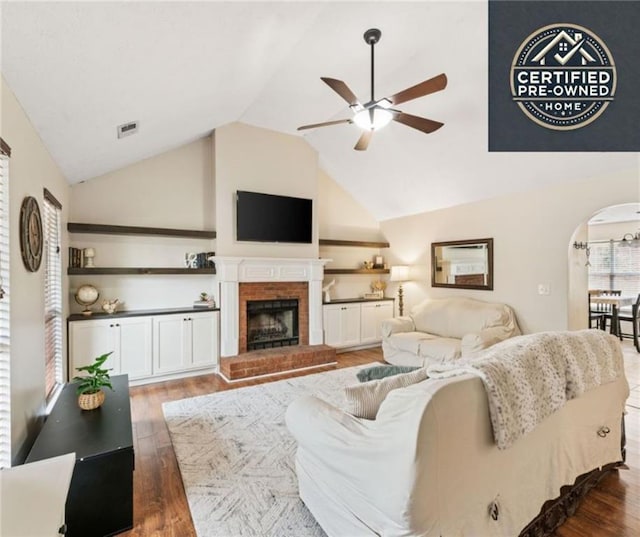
(52, 297)
(614, 267)
(5, 359)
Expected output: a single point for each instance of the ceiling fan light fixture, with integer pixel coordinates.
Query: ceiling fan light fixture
(372, 120)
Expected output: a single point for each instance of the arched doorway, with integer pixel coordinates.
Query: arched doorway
(604, 253)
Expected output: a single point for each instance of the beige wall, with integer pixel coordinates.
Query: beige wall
(31, 169)
(615, 231)
(342, 217)
(193, 187)
(174, 189)
(260, 160)
(532, 231)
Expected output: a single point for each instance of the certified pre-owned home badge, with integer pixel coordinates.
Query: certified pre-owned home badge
(563, 76)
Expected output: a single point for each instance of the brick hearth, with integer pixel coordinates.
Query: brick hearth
(274, 361)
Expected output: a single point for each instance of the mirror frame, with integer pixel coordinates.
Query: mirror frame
(487, 287)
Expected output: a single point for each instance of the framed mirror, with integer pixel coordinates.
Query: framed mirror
(462, 264)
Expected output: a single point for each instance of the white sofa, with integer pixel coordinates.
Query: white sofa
(444, 329)
(428, 465)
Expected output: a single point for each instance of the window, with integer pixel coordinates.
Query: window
(52, 295)
(614, 267)
(5, 359)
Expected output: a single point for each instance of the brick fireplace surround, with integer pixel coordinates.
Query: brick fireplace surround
(274, 291)
(252, 278)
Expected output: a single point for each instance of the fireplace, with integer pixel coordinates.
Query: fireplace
(267, 309)
(272, 323)
(243, 279)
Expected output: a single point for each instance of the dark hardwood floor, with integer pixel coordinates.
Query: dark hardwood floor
(612, 509)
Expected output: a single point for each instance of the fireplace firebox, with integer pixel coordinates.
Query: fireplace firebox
(272, 323)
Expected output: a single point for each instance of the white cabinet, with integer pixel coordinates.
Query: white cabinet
(371, 316)
(342, 325)
(147, 347)
(355, 323)
(127, 338)
(184, 341)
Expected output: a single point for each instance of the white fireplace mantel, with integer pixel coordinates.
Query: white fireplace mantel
(233, 270)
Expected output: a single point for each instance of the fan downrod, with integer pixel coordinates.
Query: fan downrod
(372, 36)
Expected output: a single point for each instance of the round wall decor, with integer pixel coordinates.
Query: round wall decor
(31, 239)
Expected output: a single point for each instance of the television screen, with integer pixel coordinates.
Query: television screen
(270, 218)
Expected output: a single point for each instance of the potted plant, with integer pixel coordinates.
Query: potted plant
(89, 389)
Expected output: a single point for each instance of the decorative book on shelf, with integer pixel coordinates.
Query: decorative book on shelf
(204, 304)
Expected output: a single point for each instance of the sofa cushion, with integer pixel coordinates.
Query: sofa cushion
(408, 341)
(364, 400)
(455, 317)
(382, 371)
(440, 349)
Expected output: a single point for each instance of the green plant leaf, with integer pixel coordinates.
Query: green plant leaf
(96, 378)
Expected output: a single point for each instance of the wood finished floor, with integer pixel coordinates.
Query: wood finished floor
(612, 509)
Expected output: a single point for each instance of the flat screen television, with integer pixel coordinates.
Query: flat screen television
(271, 218)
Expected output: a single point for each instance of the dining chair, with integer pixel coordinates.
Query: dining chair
(632, 316)
(608, 310)
(595, 315)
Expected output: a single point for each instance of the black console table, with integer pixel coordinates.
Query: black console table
(100, 500)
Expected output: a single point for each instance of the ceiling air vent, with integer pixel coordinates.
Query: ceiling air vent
(127, 129)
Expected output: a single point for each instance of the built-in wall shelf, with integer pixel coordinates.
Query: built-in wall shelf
(363, 244)
(355, 271)
(75, 227)
(138, 270)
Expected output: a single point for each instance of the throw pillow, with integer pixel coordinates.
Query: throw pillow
(382, 371)
(364, 400)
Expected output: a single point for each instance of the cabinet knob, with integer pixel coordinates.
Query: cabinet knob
(603, 431)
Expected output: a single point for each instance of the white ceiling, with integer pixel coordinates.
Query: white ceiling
(627, 212)
(183, 69)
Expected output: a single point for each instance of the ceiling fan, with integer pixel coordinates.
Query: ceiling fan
(374, 115)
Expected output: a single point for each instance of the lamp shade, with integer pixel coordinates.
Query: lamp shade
(399, 273)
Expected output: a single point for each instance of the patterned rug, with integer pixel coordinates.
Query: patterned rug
(236, 456)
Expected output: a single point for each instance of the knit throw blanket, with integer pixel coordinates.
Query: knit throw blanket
(527, 378)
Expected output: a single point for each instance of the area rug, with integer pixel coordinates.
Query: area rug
(237, 458)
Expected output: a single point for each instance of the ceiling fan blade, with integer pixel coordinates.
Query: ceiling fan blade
(437, 83)
(363, 141)
(420, 123)
(325, 124)
(341, 89)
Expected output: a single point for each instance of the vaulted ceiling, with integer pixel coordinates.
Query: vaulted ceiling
(184, 68)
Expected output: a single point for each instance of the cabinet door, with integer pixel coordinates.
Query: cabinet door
(90, 339)
(171, 349)
(350, 325)
(331, 320)
(341, 325)
(135, 346)
(373, 314)
(204, 339)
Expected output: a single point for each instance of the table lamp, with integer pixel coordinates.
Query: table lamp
(400, 273)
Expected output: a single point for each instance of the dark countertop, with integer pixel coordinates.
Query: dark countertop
(355, 300)
(136, 313)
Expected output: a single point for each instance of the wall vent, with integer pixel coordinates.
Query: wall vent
(127, 129)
